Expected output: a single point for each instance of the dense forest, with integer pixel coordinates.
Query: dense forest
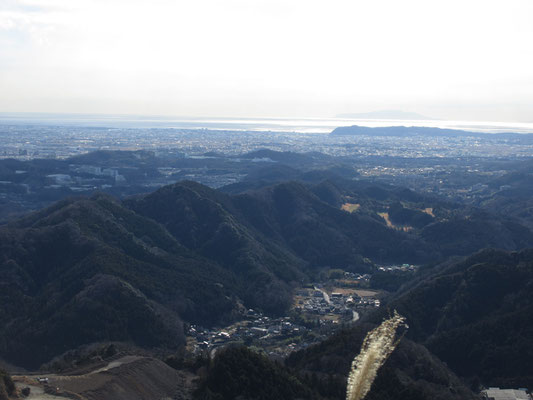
(476, 315)
(142, 266)
(138, 270)
(321, 372)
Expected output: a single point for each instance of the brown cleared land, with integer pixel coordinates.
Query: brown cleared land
(385, 216)
(429, 211)
(348, 283)
(344, 291)
(126, 378)
(366, 293)
(350, 207)
(349, 292)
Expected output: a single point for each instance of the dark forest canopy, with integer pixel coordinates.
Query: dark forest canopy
(99, 269)
(476, 315)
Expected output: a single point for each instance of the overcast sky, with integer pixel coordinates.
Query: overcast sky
(467, 59)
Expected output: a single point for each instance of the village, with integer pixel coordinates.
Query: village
(402, 268)
(318, 310)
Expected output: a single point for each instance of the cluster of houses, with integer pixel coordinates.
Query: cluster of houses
(280, 336)
(316, 302)
(85, 177)
(256, 327)
(359, 278)
(352, 301)
(403, 268)
(337, 304)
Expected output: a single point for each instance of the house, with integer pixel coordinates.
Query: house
(258, 331)
(495, 393)
(203, 345)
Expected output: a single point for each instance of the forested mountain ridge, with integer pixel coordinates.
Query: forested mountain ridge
(476, 315)
(321, 371)
(207, 222)
(90, 270)
(411, 372)
(306, 220)
(190, 253)
(321, 233)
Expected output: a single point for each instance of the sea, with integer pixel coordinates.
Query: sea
(296, 125)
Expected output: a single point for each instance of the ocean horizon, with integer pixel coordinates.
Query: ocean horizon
(296, 125)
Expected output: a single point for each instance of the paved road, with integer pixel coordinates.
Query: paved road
(355, 314)
(326, 296)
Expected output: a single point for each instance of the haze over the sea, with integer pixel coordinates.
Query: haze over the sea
(301, 125)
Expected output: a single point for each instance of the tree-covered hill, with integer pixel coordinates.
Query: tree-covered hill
(207, 222)
(477, 316)
(71, 273)
(321, 371)
(411, 372)
(321, 233)
(90, 270)
(240, 373)
(514, 194)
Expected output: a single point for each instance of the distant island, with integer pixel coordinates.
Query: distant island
(385, 114)
(406, 131)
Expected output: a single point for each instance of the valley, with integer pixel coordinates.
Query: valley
(266, 200)
(315, 314)
(143, 283)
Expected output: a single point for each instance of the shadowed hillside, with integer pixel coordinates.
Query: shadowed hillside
(207, 222)
(90, 270)
(411, 372)
(477, 316)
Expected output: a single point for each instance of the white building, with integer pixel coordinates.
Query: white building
(506, 394)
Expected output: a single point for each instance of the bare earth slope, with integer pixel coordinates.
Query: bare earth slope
(127, 378)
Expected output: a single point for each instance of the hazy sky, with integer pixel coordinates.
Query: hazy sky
(450, 59)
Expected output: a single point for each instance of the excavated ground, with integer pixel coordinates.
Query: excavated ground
(126, 378)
